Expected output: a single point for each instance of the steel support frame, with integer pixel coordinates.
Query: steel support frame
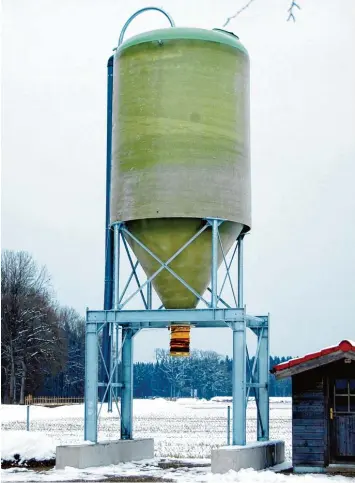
(217, 314)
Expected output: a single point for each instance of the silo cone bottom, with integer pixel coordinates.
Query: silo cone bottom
(164, 237)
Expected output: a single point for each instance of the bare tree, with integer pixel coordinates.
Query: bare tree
(73, 325)
(31, 344)
(208, 373)
(174, 368)
(291, 11)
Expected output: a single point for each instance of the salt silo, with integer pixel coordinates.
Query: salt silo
(178, 186)
(180, 150)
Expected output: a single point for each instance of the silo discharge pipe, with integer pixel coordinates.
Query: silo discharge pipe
(180, 340)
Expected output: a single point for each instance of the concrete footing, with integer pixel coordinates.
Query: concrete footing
(258, 456)
(104, 454)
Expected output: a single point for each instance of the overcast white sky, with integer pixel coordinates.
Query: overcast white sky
(300, 256)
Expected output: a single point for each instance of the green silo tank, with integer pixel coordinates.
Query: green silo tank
(180, 150)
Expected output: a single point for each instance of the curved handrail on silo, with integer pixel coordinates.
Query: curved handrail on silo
(132, 17)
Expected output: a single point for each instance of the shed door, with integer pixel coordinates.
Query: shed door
(342, 415)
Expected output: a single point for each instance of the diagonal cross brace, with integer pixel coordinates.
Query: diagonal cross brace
(227, 268)
(164, 265)
(140, 288)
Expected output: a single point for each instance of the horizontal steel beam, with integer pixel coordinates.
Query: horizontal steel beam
(256, 385)
(112, 384)
(141, 319)
(259, 320)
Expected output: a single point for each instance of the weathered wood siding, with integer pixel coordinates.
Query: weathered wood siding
(309, 431)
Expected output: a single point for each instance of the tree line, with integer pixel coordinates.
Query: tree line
(205, 374)
(36, 332)
(43, 348)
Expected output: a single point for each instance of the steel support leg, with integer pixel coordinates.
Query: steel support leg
(239, 383)
(263, 372)
(117, 355)
(127, 389)
(116, 267)
(91, 383)
(214, 265)
(240, 271)
(112, 362)
(116, 299)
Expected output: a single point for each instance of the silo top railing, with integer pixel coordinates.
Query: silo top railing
(142, 10)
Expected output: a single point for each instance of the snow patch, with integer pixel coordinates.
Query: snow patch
(27, 444)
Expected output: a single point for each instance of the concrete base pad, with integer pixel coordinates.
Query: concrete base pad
(104, 454)
(258, 456)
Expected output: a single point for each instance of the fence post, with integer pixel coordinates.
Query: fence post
(27, 418)
(228, 426)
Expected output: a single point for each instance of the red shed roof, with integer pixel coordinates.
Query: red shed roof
(344, 346)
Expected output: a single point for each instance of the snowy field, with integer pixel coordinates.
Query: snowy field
(185, 429)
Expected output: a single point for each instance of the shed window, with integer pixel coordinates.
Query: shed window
(344, 395)
(341, 386)
(341, 404)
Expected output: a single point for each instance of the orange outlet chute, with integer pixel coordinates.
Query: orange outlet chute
(180, 340)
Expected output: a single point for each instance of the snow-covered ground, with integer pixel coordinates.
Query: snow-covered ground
(151, 469)
(182, 429)
(186, 428)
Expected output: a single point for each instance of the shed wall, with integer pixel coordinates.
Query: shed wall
(309, 434)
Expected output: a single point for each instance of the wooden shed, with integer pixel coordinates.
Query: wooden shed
(323, 408)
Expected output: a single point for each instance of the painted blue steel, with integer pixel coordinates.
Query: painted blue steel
(128, 317)
(91, 382)
(112, 362)
(253, 386)
(27, 418)
(106, 344)
(129, 281)
(220, 299)
(110, 384)
(164, 265)
(255, 364)
(113, 384)
(226, 275)
(112, 393)
(228, 426)
(239, 383)
(142, 10)
(160, 319)
(149, 295)
(127, 389)
(214, 270)
(131, 321)
(263, 371)
(166, 324)
(117, 354)
(101, 383)
(240, 271)
(134, 270)
(116, 267)
(227, 269)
